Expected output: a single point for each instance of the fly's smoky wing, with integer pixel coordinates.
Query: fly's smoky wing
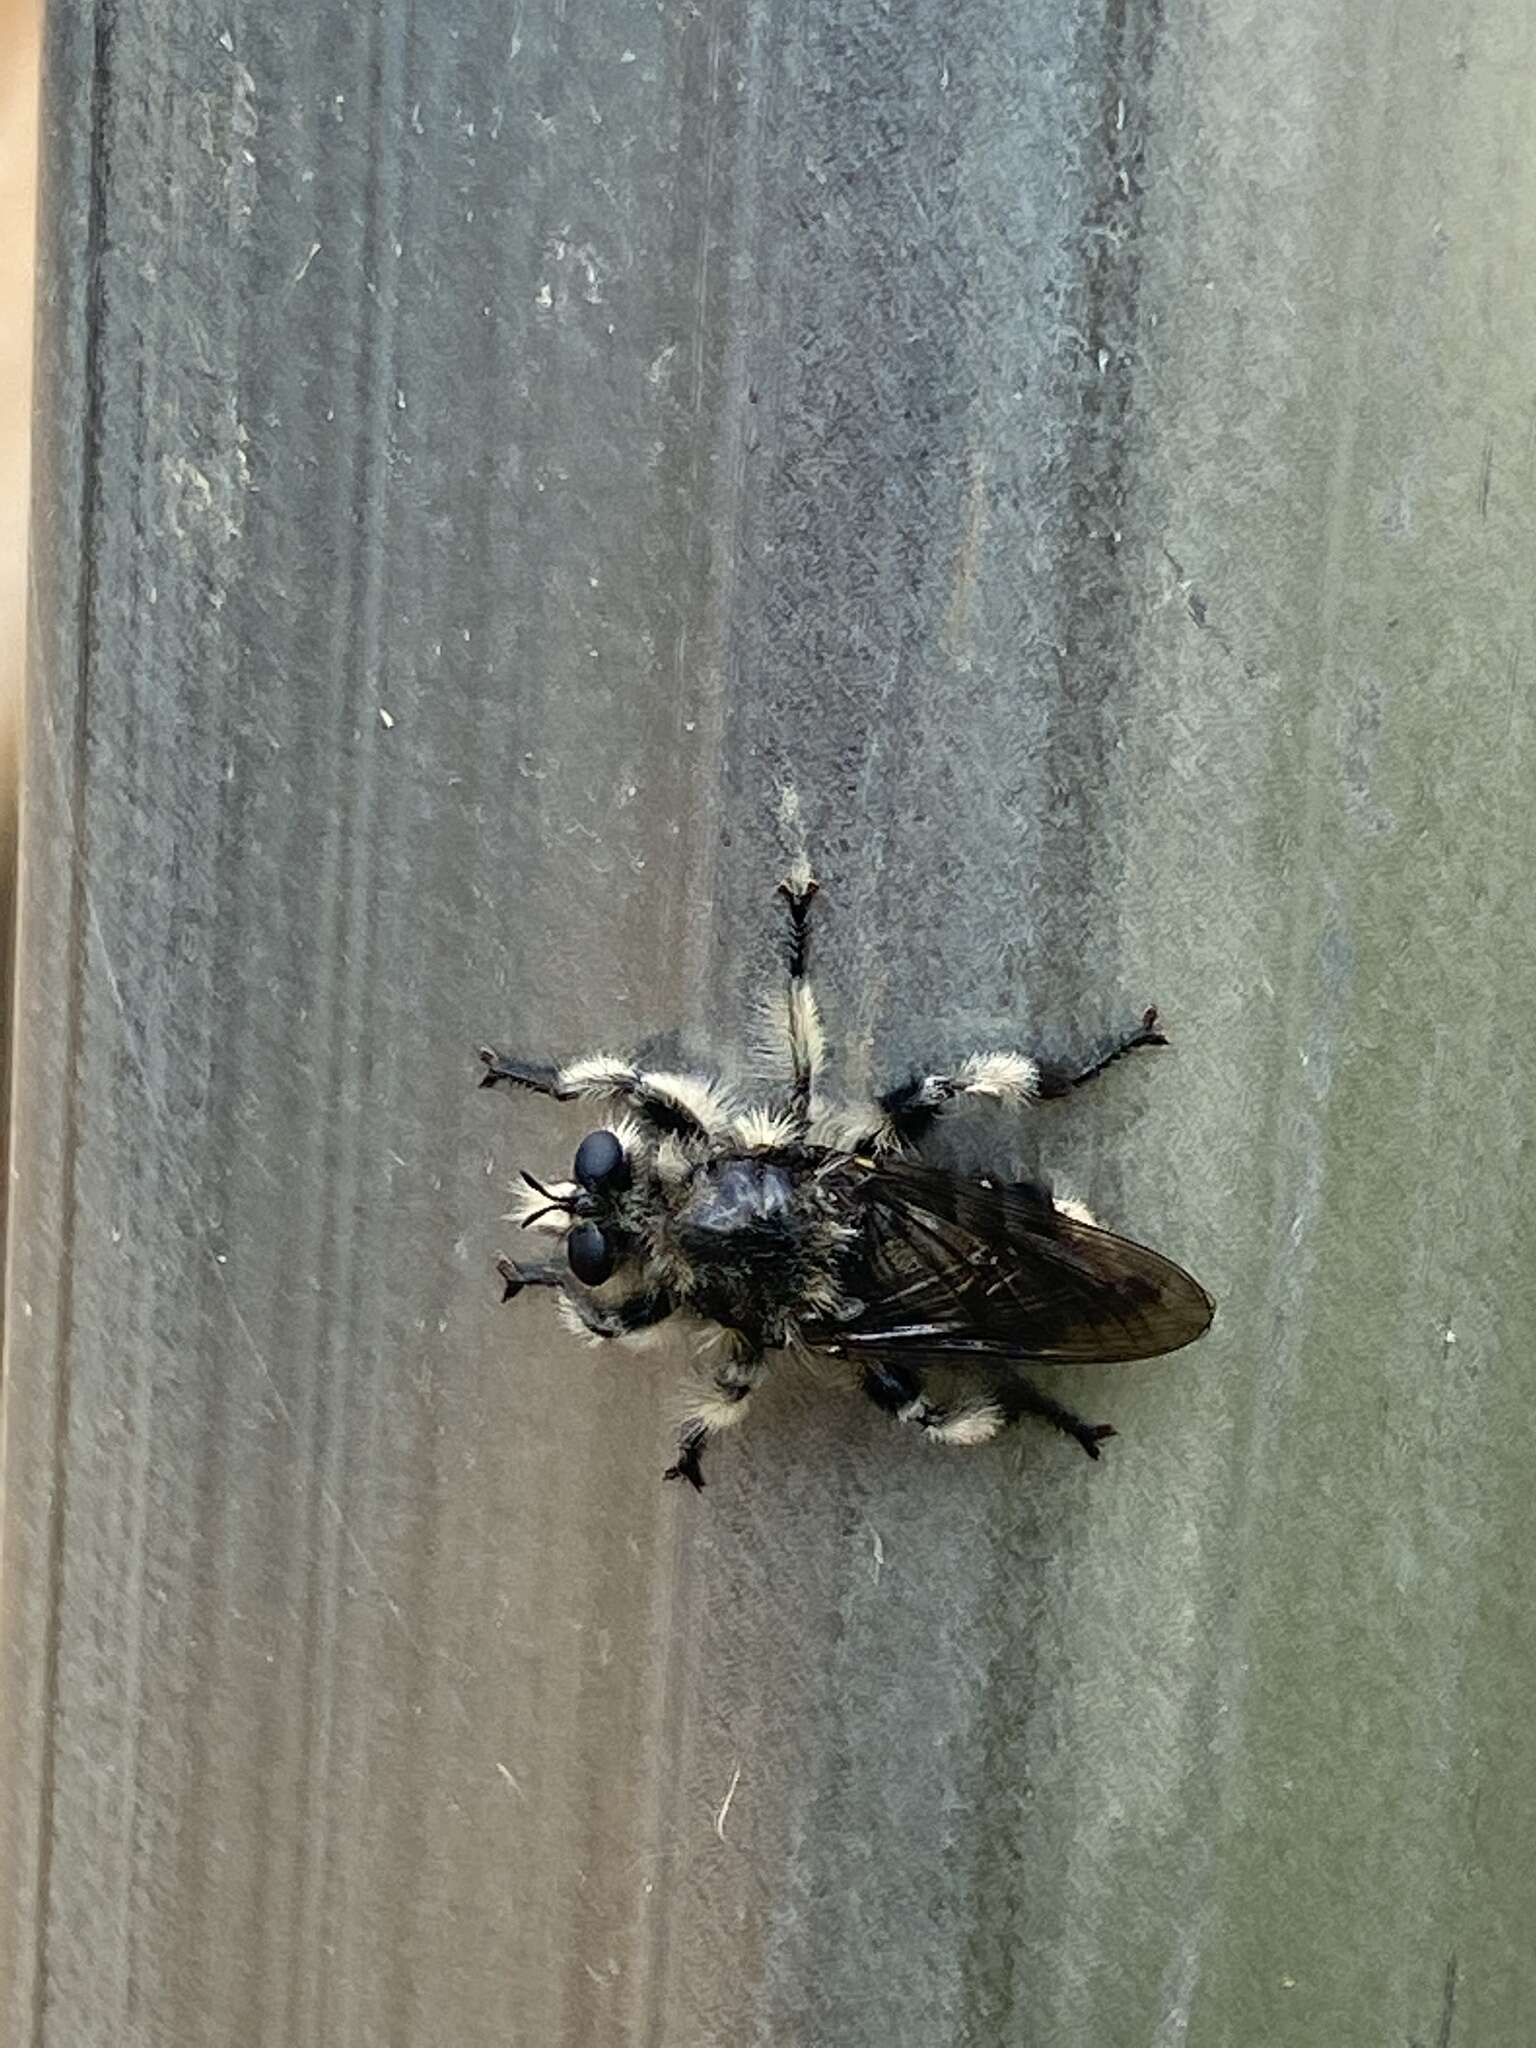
(948, 1269)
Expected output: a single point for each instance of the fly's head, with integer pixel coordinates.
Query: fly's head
(598, 1212)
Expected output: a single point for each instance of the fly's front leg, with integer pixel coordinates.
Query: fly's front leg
(602, 1319)
(721, 1404)
(539, 1076)
(514, 1278)
(627, 1318)
(673, 1105)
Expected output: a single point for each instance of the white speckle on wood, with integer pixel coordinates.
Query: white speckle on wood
(725, 1804)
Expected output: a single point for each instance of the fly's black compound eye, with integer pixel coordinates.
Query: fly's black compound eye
(590, 1251)
(602, 1164)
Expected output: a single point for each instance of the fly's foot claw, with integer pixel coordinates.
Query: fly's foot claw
(687, 1467)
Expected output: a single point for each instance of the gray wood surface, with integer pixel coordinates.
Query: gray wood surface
(484, 449)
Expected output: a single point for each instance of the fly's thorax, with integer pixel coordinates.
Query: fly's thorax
(731, 1197)
(754, 1236)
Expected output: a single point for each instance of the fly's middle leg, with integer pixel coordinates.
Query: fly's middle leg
(794, 1018)
(720, 1404)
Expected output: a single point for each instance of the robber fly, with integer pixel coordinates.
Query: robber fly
(793, 1225)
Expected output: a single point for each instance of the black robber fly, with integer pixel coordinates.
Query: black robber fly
(790, 1224)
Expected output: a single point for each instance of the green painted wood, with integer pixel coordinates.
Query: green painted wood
(482, 452)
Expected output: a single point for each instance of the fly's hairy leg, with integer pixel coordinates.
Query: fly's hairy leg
(672, 1105)
(796, 1018)
(1011, 1079)
(641, 1311)
(972, 1418)
(1008, 1078)
(719, 1406)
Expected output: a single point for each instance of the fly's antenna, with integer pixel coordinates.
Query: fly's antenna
(552, 1202)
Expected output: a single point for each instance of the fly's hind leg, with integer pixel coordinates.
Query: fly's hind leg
(899, 1390)
(972, 1418)
(1055, 1081)
(1018, 1399)
(1009, 1078)
(719, 1404)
